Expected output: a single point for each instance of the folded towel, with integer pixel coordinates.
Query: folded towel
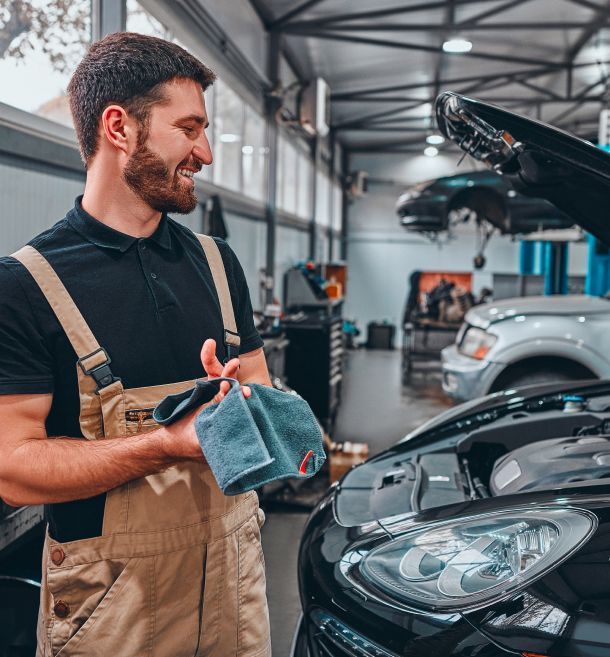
(250, 442)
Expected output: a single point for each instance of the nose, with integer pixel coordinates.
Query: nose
(202, 149)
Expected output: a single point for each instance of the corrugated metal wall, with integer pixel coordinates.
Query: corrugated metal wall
(31, 202)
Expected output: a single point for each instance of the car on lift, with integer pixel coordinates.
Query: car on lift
(485, 532)
(431, 206)
(516, 342)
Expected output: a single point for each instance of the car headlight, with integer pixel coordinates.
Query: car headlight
(477, 343)
(468, 562)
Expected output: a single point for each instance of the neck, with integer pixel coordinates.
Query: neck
(113, 203)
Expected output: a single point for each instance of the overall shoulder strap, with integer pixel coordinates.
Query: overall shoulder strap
(92, 358)
(219, 275)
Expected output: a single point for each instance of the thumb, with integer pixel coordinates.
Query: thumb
(210, 362)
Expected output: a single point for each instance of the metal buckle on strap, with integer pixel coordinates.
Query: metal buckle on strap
(101, 373)
(231, 350)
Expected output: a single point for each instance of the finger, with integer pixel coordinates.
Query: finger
(210, 362)
(247, 391)
(230, 369)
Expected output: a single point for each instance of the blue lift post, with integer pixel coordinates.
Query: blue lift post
(598, 268)
(555, 267)
(529, 258)
(549, 259)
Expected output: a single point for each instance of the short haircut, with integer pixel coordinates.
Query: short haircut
(126, 69)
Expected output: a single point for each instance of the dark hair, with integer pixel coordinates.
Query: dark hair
(127, 69)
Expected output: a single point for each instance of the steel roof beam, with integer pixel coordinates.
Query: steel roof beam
(496, 99)
(333, 36)
(368, 117)
(494, 11)
(601, 17)
(380, 13)
(293, 13)
(535, 87)
(579, 98)
(383, 128)
(437, 27)
(587, 3)
(530, 73)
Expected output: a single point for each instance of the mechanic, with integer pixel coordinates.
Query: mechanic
(101, 316)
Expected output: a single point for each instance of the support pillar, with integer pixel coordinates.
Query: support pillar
(598, 268)
(107, 16)
(345, 204)
(527, 258)
(273, 102)
(313, 228)
(555, 267)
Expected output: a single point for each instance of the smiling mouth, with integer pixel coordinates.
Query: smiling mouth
(188, 174)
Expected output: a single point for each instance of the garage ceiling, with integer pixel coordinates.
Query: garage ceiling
(549, 59)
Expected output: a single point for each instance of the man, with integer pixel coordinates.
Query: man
(101, 317)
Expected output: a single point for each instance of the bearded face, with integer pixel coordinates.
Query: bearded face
(162, 188)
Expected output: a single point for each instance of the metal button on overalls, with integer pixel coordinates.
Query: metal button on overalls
(57, 556)
(178, 569)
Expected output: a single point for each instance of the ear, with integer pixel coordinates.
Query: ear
(118, 128)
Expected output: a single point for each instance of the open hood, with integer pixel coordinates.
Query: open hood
(537, 159)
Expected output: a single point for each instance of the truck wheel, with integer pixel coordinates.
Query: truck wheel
(520, 379)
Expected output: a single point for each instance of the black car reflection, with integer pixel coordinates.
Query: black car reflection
(486, 532)
(435, 548)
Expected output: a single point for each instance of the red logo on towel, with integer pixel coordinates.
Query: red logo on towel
(303, 466)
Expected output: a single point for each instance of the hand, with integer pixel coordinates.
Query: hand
(214, 368)
(179, 440)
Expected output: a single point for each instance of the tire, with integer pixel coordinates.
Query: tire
(521, 378)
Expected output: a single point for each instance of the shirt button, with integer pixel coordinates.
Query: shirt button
(57, 556)
(153, 276)
(61, 609)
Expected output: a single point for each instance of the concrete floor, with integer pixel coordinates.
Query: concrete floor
(375, 408)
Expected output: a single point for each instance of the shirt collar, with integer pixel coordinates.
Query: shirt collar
(100, 234)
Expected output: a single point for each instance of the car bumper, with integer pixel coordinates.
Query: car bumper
(466, 378)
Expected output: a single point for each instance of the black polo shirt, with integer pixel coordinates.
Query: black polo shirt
(150, 302)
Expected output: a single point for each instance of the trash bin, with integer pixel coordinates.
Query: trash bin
(380, 335)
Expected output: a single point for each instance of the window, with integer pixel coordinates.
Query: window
(337, 207)
(322, 199)
(140, 20)
(289, 192)
(255, 155)
(228, 121)
(304, 186)
(43, 41)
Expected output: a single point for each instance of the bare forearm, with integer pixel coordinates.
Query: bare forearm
(63, 469)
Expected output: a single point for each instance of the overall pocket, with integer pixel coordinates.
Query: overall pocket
(102, 608)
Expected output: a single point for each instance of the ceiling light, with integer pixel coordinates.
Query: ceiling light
(435, 139)
(247, 150)
(457, 45)
(229, 138)
(431, 151)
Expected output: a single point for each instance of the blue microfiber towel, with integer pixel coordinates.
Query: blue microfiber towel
(250, 442)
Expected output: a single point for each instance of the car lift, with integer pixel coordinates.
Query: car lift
(549, 259)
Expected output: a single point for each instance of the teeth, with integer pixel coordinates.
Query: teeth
(185, 172)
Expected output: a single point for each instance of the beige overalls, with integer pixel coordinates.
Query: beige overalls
(179, 569)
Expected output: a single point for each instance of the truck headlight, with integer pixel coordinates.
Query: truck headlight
(468, 562)
(477, 343)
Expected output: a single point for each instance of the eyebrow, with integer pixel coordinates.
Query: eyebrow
(196, 118)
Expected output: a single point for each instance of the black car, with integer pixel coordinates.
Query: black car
(486, 532)
(430, 207)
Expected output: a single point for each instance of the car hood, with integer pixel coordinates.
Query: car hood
(538, 160)
(573, 304)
